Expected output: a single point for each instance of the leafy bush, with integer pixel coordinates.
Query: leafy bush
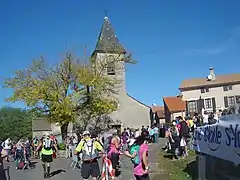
(62, 146)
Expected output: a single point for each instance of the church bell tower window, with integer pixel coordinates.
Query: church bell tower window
(111, 67)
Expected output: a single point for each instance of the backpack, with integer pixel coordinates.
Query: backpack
(47, 144)
(107, 143)
(88, 151)
(35, 141)
(132, 149)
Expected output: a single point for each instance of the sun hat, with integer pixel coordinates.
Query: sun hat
(46, 135)
(86, 133)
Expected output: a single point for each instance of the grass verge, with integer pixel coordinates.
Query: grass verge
(182, 169)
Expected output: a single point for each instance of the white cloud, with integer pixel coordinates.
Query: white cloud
(225, 46)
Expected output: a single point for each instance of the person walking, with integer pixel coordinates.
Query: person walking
(184, 136)
(125, 139)
(174, 140)
(35, 145)
(113, 151)
(47, 154)
(7, 146)
(3, 156)
(151, 134)
(138, 152)
(90, 152)
(156, 134)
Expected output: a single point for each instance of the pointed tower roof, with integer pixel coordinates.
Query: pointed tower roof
(107, 39)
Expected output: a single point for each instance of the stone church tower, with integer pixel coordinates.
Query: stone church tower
(131, 112)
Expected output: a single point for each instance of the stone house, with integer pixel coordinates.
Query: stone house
(40, 126)
(212, 93)
(173, 107)
(157, 115)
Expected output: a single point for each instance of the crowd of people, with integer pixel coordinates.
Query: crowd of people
(132, 143)
(22, 151)
(89, 147)
(177, 138)
(179, 133)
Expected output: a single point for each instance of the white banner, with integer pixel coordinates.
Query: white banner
(221, 140)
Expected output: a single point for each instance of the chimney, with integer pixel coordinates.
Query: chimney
(212, 74)
(180, 96)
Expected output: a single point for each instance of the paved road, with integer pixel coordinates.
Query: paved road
(61, 166)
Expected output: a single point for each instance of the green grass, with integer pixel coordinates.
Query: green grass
(182, 169)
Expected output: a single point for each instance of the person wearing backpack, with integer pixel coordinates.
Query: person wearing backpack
(3, 155)
(90, 153)
(138, 152)
(47, 146)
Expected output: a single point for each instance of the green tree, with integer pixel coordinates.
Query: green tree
(68, 90)
(15, 123)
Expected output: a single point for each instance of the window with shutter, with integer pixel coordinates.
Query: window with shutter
(226, 101)
(237, 99)
(214, 104)
(200, 105)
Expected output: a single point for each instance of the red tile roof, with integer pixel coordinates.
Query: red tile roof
(175, 104)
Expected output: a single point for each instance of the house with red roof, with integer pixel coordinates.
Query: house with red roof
(174, 106)
(157, 115)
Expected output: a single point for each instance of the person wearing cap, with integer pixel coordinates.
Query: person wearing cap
(47, 153)
(90, 152)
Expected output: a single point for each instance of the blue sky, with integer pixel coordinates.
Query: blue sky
(172, 40)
